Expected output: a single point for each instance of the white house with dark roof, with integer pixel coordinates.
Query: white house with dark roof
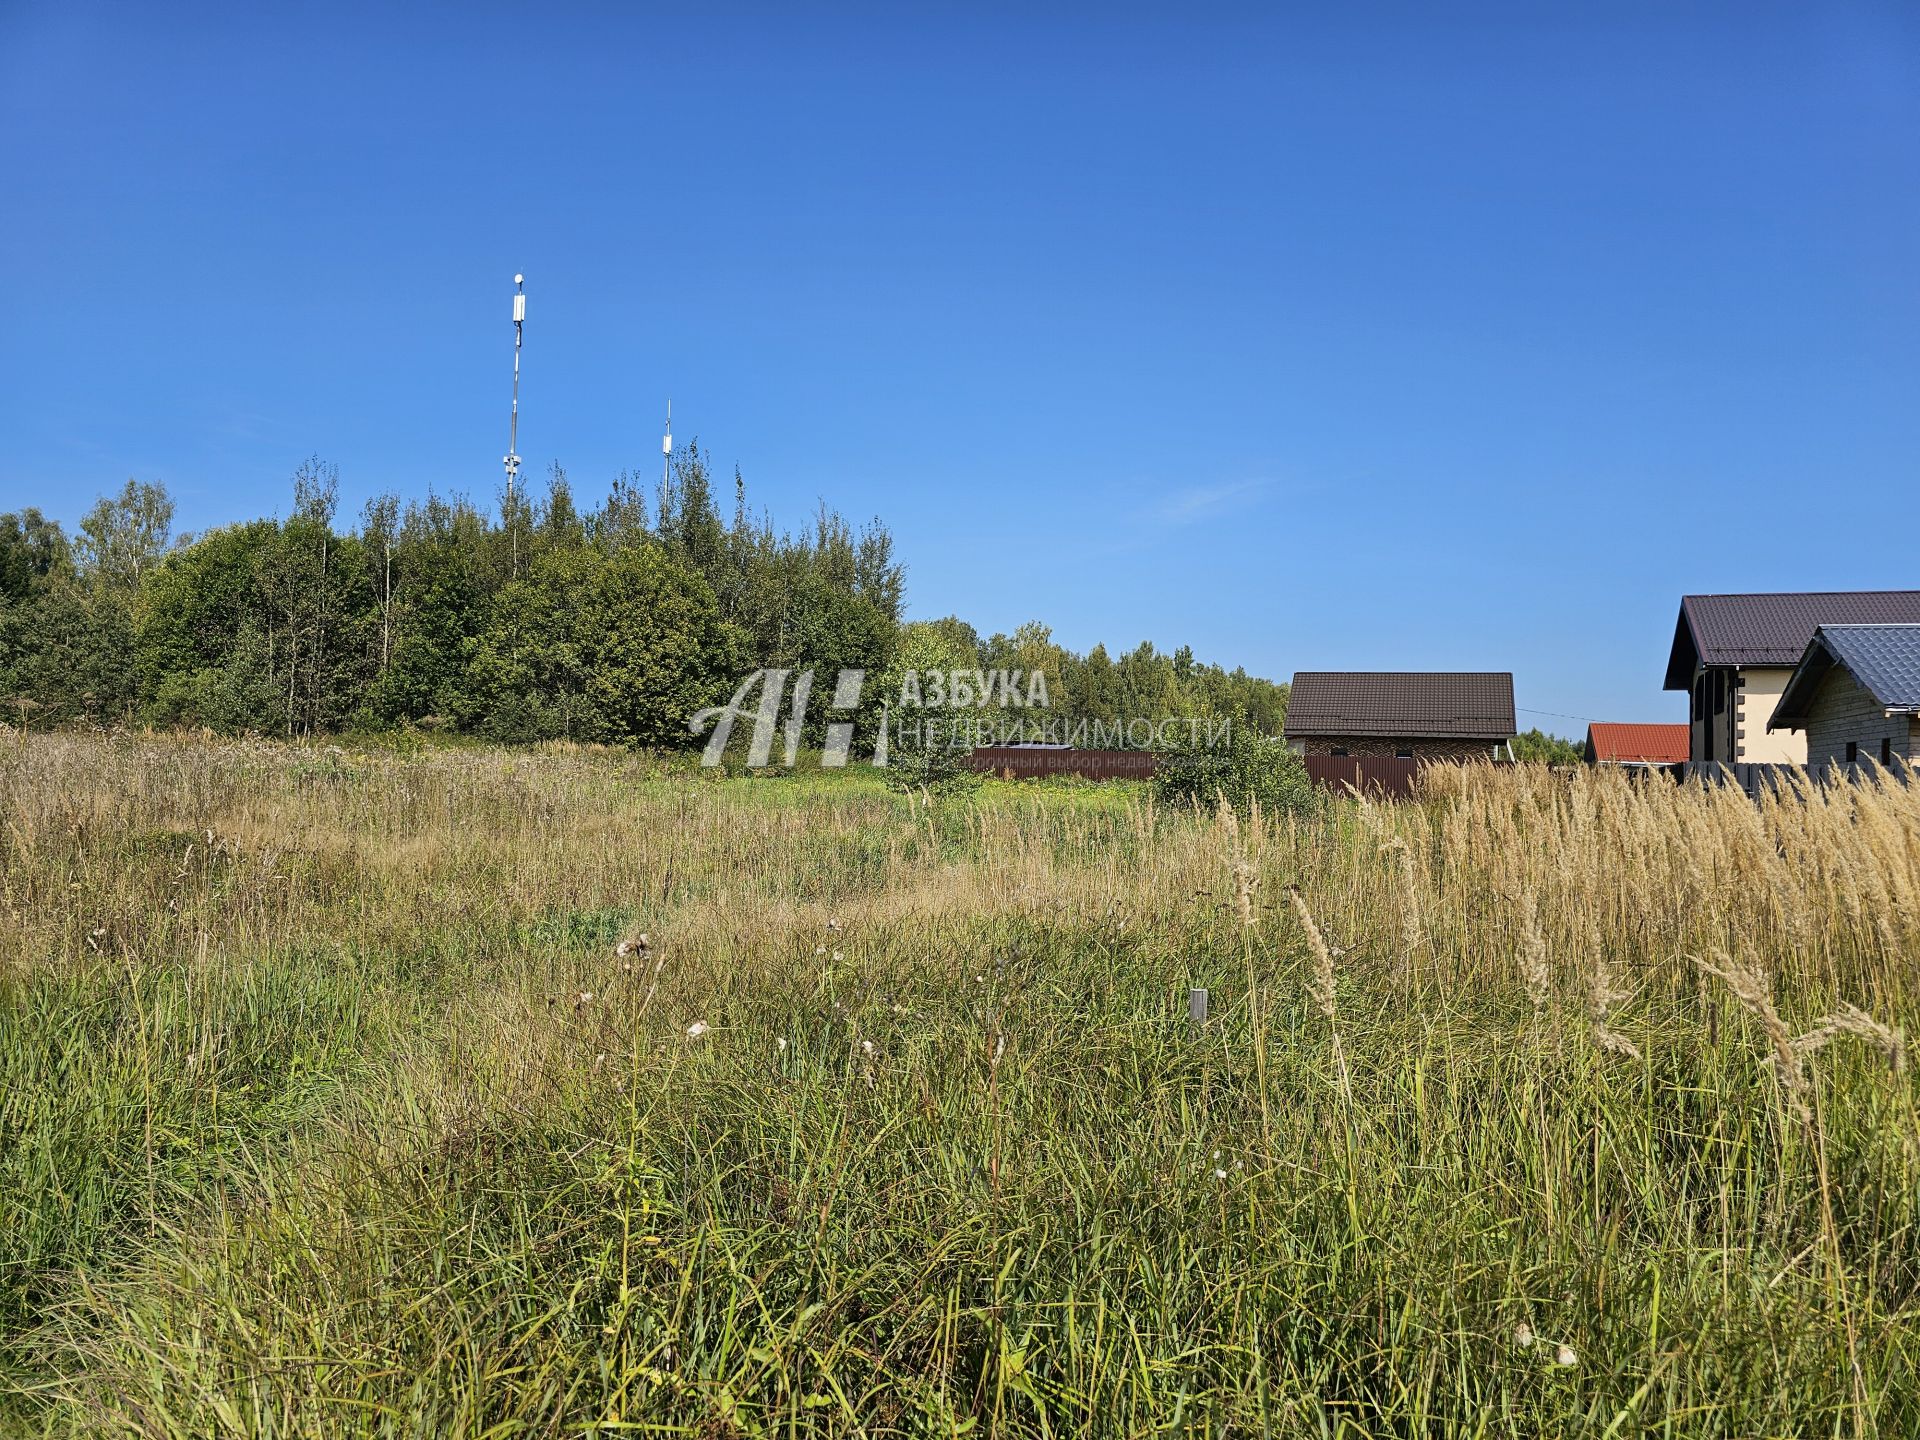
(1733, 655)
(1855, 695)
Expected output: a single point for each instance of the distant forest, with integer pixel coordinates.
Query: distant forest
(613, 623)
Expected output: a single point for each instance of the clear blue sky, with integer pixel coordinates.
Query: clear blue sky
(1316, 336)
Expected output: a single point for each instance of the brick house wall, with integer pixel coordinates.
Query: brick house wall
(1423, 747)
(1843, 710)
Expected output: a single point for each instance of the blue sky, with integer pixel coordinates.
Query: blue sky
(1356, 336)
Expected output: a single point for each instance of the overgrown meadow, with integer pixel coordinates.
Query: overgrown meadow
(476, 1092)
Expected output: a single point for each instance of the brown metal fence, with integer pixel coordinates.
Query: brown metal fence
(1378, 776)
(1029, 762)
(1375, 775)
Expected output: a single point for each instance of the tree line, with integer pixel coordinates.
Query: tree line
(546, 620)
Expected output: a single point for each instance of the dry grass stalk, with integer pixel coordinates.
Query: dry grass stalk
(1753, 989)
(1320, 983)
(1245, 882)
(1850, 1019)
(1603, 996)
(1534, 968)
(1412, 931)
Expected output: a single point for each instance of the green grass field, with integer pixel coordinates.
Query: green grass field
(329, 1105)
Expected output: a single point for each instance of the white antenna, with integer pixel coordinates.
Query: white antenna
(513, 431)
(666, 447)
(512, 460)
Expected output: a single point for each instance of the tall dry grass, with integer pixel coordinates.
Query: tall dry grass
(331, 1103)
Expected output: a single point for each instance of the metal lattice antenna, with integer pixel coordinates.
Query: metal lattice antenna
(512, 460)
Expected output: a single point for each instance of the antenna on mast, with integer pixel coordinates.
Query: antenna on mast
(666, 447)
(512, 459)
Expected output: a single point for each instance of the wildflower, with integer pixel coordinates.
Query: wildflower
(867, 1046)
(1219, 1174)
(819, 949)
(1523, 1335)
(1565, 1356)
(780, 1043)
(835, 926)
(697, 1029)
(585, 997)
(838, 957)
(639, 945)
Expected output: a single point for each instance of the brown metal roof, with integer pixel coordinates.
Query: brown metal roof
(1463, 705)
(1773, 629)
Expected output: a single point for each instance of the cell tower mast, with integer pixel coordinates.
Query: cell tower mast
(666, 447)
(512, 460)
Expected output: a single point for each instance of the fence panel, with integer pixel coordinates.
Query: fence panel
(1385, 776)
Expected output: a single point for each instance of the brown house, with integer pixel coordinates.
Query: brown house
(1416, 715)
(1856, 695)
(1733, 655)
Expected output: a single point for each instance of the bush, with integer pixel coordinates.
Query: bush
(934, 768)
(1247, 769)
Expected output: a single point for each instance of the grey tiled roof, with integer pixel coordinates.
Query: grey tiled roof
(1466, 705)
(1883, 658)
(1773, 629)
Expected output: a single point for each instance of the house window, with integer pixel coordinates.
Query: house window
(1886, 751)
(1403, 754)
(1853, 751)
(1338, 750)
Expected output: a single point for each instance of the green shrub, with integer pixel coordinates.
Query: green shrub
(1245, 768)
(935, 768)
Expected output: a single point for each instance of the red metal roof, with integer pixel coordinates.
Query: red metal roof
(1618, 743)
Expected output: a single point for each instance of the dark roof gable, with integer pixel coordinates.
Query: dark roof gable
(1884, 660)
(1464, 705)
(1773, 629)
